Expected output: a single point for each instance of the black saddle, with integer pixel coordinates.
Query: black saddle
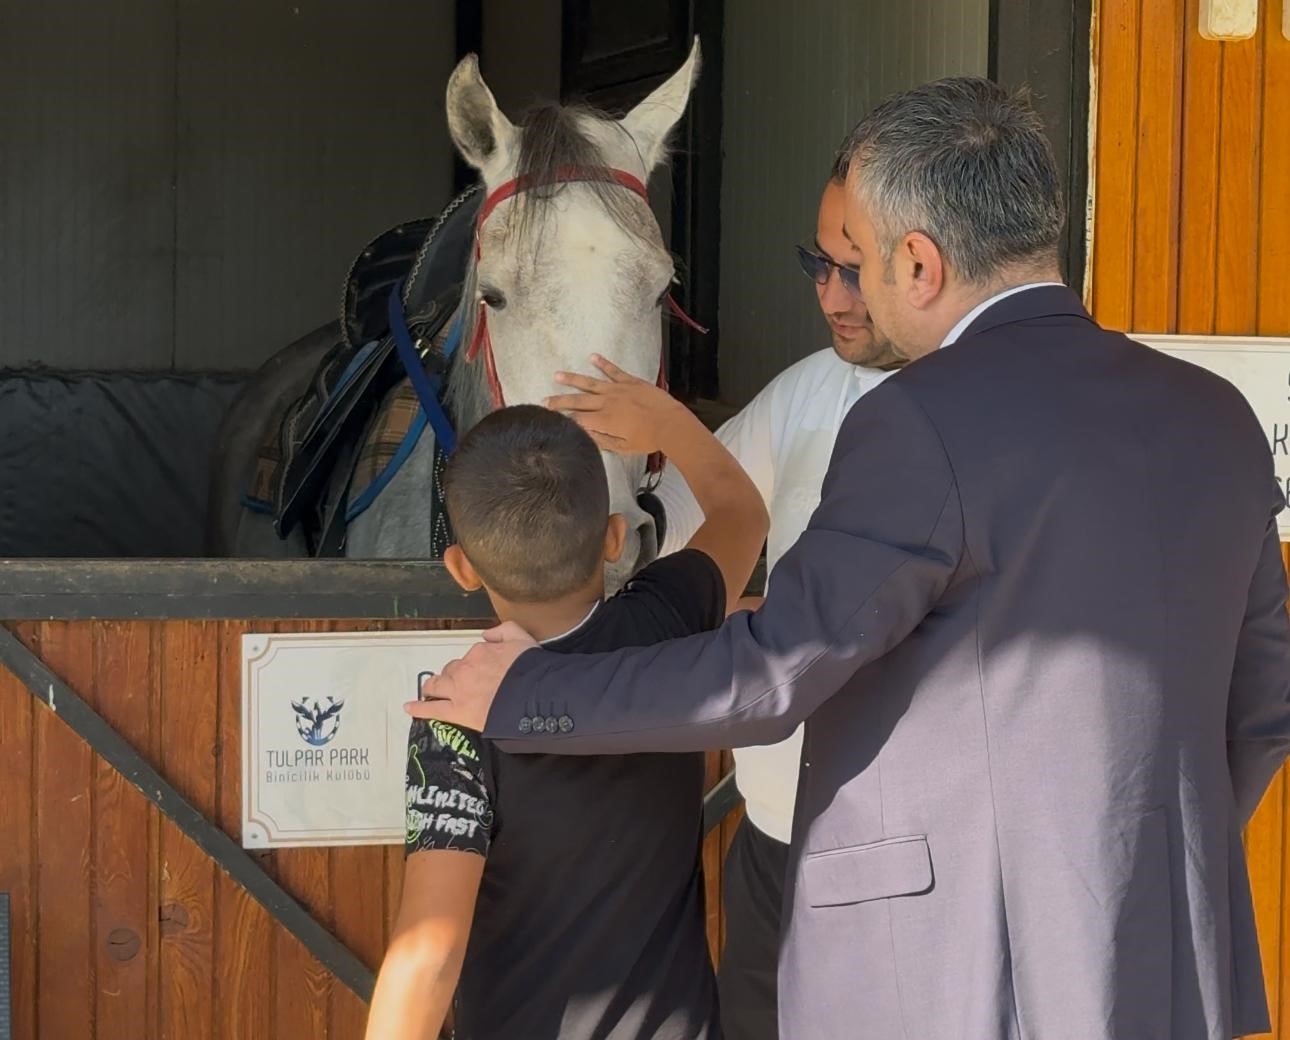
(430, 258)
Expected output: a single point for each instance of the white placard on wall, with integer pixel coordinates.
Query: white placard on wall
(1257, 366)
(324, 734)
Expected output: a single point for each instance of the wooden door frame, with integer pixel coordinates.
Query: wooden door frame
(1046, 45)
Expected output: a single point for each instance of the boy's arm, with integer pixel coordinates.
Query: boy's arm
(449, 828)
(423, 962)
(633, 417)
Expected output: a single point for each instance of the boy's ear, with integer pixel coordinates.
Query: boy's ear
(615, 537)
(461, 569)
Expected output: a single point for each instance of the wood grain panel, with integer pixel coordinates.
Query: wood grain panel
(125, 839)
(65, 838)
(189, 674)
(18, 839)
(303, 996)
(1158, 182)
(1198, 166)
(244, 932)
(123, 929)
(1113, 227)
(1274, 199)
(1239, 182)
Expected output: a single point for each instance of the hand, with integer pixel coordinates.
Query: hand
(463, 692)
(623, 414)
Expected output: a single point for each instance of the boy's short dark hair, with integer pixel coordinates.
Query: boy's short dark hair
(528, 500)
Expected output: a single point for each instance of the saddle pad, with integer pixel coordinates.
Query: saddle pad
(394, 431)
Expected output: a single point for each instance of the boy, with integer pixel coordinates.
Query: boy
(590, 918)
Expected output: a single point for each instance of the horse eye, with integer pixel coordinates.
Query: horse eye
(492, 298)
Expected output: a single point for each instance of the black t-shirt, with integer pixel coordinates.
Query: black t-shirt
(590, 919)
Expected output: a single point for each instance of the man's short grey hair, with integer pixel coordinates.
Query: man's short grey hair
(965, 162)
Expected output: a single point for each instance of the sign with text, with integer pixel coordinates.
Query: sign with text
(1257, 366)
(324, 734)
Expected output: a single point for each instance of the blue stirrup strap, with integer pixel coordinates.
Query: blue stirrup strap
(427, 387)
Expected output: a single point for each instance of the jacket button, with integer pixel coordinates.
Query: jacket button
(526, 725)
(566, 724)
(552, 724)
(539, 724)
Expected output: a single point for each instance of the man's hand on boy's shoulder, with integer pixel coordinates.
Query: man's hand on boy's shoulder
(463, 692)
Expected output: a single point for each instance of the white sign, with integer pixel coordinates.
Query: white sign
(324, 734)
(1259, 367)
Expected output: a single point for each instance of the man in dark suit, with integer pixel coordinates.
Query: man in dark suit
(1036, 628)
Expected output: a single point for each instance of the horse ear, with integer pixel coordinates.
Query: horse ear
(481, 131)
(652, 120)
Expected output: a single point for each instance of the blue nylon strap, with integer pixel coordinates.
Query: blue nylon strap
(426, 387)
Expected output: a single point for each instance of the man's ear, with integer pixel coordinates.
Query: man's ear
(922, 269)
(615, 537)
(462, 570)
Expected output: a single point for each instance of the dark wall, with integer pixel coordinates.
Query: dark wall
(186, 181)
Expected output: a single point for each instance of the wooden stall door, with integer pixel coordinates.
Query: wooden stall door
(1191, 234)
(122, 928)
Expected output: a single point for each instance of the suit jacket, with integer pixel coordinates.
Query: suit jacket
(1037, 629)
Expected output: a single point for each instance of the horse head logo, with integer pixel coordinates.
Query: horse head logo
(317, 724)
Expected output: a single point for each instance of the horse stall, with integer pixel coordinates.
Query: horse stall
(134, 910)
(199, 188)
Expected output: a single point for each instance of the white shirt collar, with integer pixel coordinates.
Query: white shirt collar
(565, 635)
(976, 311)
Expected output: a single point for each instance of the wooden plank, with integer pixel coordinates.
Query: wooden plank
(244, 931)
(1158, 172)
(174, 589)
(358, 887)
(1239, 171)
(125, 849)
(1113, 227)
(304, 990)
(1198, 218)
(65, 835)
(1274, 203)
(189, 674)
(17, 833)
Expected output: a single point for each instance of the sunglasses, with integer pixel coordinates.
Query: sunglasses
(817, 268)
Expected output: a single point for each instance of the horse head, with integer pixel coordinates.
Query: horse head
(569, 261)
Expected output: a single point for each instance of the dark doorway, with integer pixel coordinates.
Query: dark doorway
(613, 55)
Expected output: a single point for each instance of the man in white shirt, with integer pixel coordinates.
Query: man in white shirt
(784, 440)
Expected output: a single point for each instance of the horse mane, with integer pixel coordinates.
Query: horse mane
(553, 137)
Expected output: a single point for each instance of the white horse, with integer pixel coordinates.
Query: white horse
(569, 261)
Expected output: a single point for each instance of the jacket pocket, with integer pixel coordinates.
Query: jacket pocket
(881, 870)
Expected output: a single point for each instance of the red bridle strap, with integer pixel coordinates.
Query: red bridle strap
(564, 175)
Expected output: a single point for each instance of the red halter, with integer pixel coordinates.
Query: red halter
(500, 194)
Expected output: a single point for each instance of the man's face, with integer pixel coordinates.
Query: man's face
(909, 331)
(854, 337)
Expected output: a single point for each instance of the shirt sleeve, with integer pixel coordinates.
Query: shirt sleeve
(448, 801)
(749, 437)
(677, 595)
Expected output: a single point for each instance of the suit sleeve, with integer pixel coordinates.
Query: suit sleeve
(1258, 706)
(878, 554)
